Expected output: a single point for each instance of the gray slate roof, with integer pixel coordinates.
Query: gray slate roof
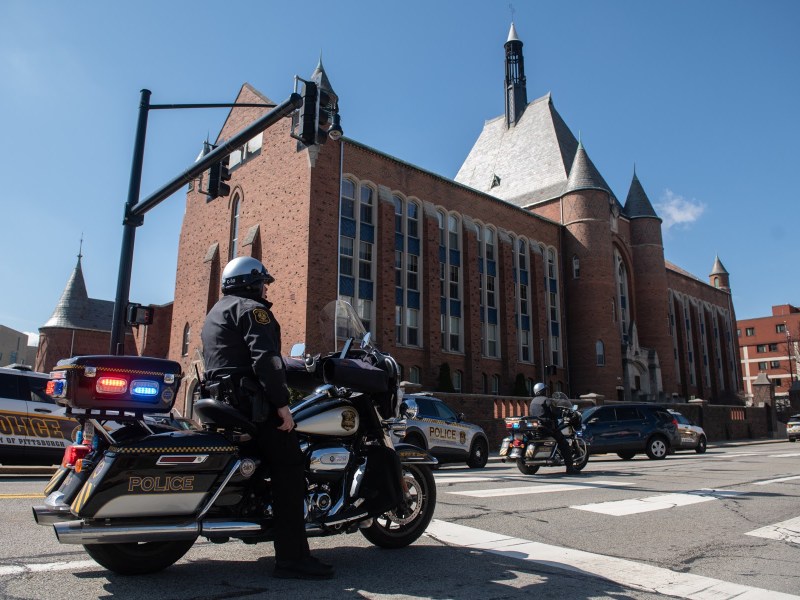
(584, 175)
(718, 268)
(75, 310)
(637, 203)
(532, 160)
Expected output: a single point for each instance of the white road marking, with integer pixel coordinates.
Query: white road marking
(784, 455)
(46, 567)
(620, 571)
(538, 489)
(786, 531)
(779, 480)
(634, 506)
(465, 479)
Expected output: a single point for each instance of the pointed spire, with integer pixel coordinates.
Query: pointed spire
(74, 301)
(321, 77)
(718, 268)
(584, 175)
(512, 34)
(638, 204)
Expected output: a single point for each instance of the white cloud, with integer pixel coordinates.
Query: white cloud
(33, 338)
(677, 210)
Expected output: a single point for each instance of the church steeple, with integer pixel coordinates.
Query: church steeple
(516, 92)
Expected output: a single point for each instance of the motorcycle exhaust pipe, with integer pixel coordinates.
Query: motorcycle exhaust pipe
(46, 515)
(80, 532)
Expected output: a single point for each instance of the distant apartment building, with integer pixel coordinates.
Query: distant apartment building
(14, 347)
(770, 345)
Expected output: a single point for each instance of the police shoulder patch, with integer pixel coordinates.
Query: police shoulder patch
(261, 316)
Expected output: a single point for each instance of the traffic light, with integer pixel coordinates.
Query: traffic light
(218, 174)
(307, 115)
(139, 315)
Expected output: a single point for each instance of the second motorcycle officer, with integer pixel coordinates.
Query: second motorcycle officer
(242, 354)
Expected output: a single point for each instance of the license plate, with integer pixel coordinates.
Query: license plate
(687, 440)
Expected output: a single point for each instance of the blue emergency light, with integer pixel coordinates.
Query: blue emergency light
(144, 387)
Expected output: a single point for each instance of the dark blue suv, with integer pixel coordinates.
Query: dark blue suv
(629, 429)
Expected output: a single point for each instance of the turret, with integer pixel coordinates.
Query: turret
(719, 277)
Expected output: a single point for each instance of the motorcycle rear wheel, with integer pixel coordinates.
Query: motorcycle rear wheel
(403, 526)
(138, 558)
(526, 469)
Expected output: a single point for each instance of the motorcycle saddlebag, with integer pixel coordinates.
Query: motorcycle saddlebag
(125, 383)
(164, 474)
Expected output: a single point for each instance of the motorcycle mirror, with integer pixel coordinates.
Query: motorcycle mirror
(298, 351)
(365, 343)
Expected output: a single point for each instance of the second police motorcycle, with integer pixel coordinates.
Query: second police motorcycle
(530, 445)
(137, 497)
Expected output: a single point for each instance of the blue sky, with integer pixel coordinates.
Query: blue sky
(700, 96)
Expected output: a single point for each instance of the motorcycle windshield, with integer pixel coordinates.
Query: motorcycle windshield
(339, 322)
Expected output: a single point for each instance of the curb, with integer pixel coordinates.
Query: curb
(27, 470)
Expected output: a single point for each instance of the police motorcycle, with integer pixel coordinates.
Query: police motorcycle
(138, 497)
(531, 445)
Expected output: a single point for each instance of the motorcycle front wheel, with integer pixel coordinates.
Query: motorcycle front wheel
(138, 558)
(580, 454)
(402, 526)
(526, 469)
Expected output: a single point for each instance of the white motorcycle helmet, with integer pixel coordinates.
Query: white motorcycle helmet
(244, 273)
(539, 389)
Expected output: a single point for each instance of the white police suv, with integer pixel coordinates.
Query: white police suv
(435, 427)
(34, 430)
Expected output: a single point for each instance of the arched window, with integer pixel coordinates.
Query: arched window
(600, 351)
(458, 377)
(621, 275)
(485, 383)
(553, 305)
(451, 323)
(487, 248)
(407, 271)
(495, 385)
(716, 282)
(356, 245)
(187, 331)
(233, 242)
(576, 267)
(413, 375)
(522, 280)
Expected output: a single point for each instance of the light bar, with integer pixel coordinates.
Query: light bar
(111, 385)
(144, 387)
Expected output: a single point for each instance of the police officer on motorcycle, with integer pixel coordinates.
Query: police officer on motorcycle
(548, 411)
(243, 363)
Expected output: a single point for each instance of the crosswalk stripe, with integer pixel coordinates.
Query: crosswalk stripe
(619, 508)
(46, 567)
(620, 571)
(784, 455)
(786, 531)
(538, 489)
(779, 480)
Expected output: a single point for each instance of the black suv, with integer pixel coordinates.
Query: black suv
(630, 429)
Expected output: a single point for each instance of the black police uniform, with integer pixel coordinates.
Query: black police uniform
(241, 338)
(547, 410)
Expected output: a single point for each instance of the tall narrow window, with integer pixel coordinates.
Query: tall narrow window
(523, 305)
(407, 251)
(600, 351)
(621, 276)
(233, 242)
(487, 268)
(187, 332)
(356, 249)
(458, 378)
(450, 281)
(495, 385)
(553, 304)
(576, 267)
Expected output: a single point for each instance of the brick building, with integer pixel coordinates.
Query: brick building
(771, 345)
(526, 267)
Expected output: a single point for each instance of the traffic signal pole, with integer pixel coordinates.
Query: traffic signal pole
(135, 209)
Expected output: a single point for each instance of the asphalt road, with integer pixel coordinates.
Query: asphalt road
(721, 525)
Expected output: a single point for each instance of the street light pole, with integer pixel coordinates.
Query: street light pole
(129, 230)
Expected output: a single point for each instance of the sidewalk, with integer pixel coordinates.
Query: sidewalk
(746, 442)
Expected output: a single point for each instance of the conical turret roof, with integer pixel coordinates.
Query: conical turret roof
(718, 268)
(512, 34)
(320, 75)
(584, 175)
(75, 310)
(638, 204)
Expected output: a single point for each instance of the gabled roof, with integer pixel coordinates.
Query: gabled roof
(637, 203)
(75, 310)
(527, 163)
